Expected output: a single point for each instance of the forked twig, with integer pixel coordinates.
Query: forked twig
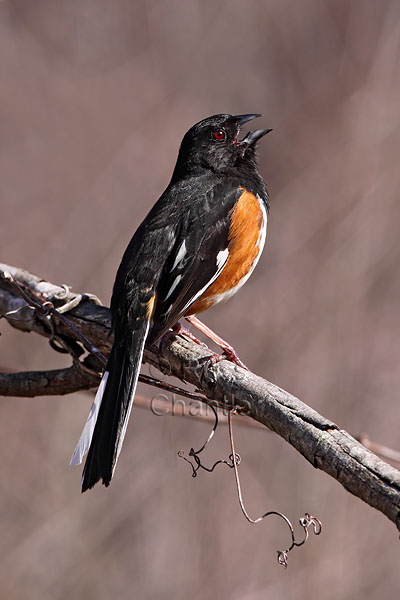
(195, 453)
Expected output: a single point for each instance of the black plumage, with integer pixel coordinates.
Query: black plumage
(177, 252)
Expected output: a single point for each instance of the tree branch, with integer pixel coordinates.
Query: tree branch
(56, 382)
(318, 439)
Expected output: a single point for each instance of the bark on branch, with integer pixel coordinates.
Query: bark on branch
(55, 382)
(318, 439)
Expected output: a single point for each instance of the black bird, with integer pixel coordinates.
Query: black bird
(197, 246)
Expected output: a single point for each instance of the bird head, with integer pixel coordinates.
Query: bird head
(214, 143)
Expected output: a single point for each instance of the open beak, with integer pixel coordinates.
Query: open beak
(242, 119)
(253, 136)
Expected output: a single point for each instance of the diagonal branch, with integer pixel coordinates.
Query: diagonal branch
(318, 439)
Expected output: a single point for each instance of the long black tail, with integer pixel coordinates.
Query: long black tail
(112, 407)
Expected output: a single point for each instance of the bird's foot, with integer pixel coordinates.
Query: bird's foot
(230, 354)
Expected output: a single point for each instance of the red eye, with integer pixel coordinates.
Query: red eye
(219, 135)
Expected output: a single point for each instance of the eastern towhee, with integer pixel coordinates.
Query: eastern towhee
(197, 246)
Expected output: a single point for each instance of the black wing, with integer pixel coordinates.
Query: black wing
(198, 256)
(141, 267)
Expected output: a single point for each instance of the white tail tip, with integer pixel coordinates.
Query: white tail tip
(85, 440)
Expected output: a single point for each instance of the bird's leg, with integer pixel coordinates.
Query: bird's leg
(179, 329)
(227, 351)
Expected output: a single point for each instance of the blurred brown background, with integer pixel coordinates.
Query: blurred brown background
(95, 97)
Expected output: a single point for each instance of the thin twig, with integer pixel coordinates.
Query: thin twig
(305, 521)
(195, 454)
(379, 449)
(180, 391)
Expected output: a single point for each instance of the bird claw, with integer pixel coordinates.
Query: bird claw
(227, 354)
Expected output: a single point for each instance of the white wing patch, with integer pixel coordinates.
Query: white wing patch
(179, 256)
(222, 257)
(82, 447)
(173, 286)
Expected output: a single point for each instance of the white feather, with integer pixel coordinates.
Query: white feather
(222, 257)
(85, 440)
(180, 255)
(173, 286)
